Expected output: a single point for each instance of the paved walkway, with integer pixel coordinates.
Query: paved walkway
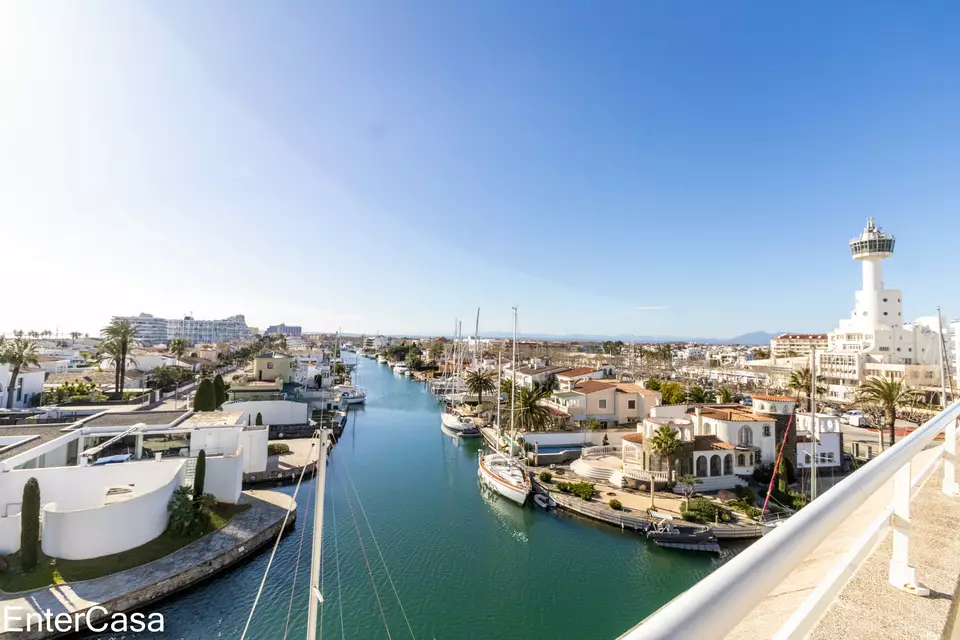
(772, 612)
(300, 453)
(267, 509)
(869, 607)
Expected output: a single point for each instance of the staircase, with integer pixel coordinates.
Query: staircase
(596, 473)
(190, 470)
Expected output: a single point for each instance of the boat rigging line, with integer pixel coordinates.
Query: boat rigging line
(379, 552)
(336, 555)
(273, 553)
(363, 550)
(296, 566)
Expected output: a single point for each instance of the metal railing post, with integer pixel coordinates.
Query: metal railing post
(950, 486)
(902, 575)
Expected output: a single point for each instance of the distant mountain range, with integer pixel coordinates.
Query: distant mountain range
(753, 338)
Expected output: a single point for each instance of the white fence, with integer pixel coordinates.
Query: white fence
(598, 451)
(727, 596)
(642, 474)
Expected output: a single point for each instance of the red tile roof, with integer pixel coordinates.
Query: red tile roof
(775, 398)
(592, 386)
(733, 415)
(573, 373)
(710, 443)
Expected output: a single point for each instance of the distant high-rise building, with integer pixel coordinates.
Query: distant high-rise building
(285, 329)
(797, 344)
(153, 330)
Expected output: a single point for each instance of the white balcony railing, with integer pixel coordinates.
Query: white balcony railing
(728, 595)
(599, 451)
(643, 475)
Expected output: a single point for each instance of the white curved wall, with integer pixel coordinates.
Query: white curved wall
(224, 477)
(273, 411)
(108, 529)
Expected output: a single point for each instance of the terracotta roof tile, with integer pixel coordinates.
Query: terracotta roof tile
(592, 386)
(636, 438)
(573, 373)
(711, 443)
(775, 398)
(732, 415)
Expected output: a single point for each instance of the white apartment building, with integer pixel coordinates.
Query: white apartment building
(874, 340)
(790, 344)
(153, 330)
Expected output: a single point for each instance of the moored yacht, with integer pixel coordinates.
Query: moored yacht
(499, 471)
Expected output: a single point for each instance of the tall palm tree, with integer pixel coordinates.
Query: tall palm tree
(33, 334)
(889, 395)
(121, 333)
(46, 333)
(726, 395)
(436, 351)
(666, 442)
(74, 335)
(801, 383)
(530, 413)
(113, 352)
(16, 354)
(480, 382)
(178, 347)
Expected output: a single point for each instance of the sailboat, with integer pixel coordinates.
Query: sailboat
(499, 471)
(349, 394)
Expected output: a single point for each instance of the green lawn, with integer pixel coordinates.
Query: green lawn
(46, 573)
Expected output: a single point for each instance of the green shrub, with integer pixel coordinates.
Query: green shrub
(583, 490)
(30, 525)
(616, 505)
(745, 506)
(182, 511)
(546, 476)
(219, 390)
(205, 398)
(703, 510)
(199, 475)
(277, 449)
(259, 420)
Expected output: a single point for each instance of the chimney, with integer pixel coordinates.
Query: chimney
(698, 421)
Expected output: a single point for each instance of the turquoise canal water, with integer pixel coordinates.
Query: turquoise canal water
(464, 566)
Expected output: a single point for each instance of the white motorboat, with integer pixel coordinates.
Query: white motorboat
(455, 422)
(401, 369)
(503, 474)
(353, 397)
(382, 359)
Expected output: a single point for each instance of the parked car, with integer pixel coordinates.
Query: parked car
(747, 401)
(855, 418)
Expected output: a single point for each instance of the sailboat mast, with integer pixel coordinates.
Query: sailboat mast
(513, 387)
(476, 342)
(316, 599)
(499, 386)
(813, 427)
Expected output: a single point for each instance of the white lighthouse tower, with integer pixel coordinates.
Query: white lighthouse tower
(874, 306)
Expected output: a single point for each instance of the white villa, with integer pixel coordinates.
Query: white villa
(105, 480)
(721, 443)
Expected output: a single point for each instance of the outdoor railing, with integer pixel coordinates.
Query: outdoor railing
(642, 474)
(728, 595)
(601, 450)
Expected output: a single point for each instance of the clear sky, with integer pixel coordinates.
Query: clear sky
(669, 168)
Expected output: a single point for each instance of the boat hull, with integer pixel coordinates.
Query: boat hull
(514, 493)
(455, 423)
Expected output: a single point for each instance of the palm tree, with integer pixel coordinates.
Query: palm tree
(436, 351)
(666, 442)
(16, 354)
(46, 333)
(121, 334)
(530, 413)
(506, 388)
(112, 352)
(726, 395)
(74, 335)
(33, 334)
(800, 382)
(178, 347)
(889, 395)
(697, 395)
(479, 382)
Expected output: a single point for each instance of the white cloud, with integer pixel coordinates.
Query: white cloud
(651, 308)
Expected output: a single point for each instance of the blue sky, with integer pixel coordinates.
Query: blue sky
(670, 168)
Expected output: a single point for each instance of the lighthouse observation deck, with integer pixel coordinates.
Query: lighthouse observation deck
(872, 243)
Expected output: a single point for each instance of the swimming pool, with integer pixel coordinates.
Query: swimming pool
(557, 448)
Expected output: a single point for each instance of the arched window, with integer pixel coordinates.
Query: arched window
(728, 464)
(745, 436)
(773, 408)
(702, 467)
(715, 465)
(741, 460)
(707, 428)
